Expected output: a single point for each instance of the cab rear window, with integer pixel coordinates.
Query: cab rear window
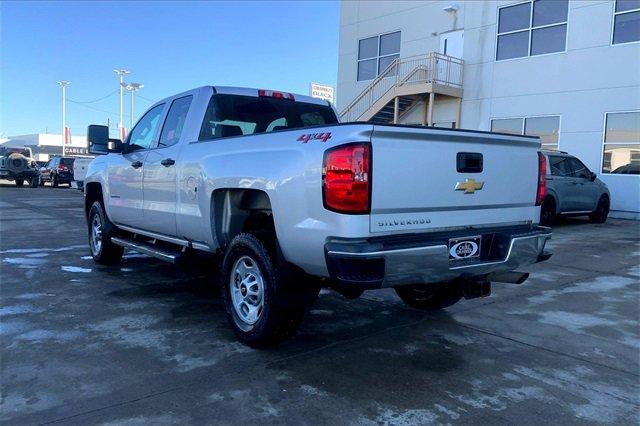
(235, 115)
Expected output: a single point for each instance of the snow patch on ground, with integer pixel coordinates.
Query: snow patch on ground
(19, 309)
(37, 250)
(75, 269)
(24, 262)
(311, 390)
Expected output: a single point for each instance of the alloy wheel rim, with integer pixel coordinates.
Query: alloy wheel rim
(96, 234)
(247, 290)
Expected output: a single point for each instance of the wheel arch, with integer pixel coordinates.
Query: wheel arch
(237, 210)
(92, 193)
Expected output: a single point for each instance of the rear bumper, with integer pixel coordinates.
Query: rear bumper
(424, 258)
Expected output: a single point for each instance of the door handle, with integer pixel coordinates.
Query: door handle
(136, 164)
(168, 162)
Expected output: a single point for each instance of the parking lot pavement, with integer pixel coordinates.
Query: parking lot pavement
(145, 342)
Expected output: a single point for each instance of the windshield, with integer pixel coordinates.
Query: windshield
(235, 115)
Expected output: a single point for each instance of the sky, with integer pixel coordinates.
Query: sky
(168, 46)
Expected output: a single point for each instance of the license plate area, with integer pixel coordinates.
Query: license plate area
(465, 248)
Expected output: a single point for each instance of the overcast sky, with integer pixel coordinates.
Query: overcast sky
(168, 46)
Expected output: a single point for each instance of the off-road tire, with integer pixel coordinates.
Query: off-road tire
(281, 313)
(548, 214)
(108, 253)
(601, 212)
(54, 182)
(19, 182)
(430, 297)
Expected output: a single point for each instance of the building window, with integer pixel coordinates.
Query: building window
(626, 21)
(547, 128)
(621, 149)
(375, 54)
(532, 28)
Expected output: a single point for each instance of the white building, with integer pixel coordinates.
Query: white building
(568, 71)
(45, 145)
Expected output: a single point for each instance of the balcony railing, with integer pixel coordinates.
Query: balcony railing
(432, 68)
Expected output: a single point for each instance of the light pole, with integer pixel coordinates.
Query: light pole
(121, 72)
(64, 84)
(132, 87)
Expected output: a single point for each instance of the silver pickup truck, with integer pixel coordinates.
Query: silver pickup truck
(292, 201)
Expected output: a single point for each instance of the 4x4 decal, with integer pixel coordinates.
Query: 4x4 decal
(315, 136)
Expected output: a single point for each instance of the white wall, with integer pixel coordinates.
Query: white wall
(592, 77)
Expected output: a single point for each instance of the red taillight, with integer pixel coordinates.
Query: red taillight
(274, 94)
(346, 178)
(542, 179)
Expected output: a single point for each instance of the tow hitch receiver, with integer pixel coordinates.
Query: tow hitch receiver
(475, 289)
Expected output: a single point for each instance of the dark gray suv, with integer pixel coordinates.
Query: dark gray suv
(573, 190)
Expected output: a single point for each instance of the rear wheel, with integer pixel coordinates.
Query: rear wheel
(430, 297)
(548, 212)
(602, 211)
(19, 182)
(260, 307)
(101, 230)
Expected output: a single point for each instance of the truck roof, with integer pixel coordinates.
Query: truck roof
(244, 91)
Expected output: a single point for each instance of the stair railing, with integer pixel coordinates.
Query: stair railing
(431, 68)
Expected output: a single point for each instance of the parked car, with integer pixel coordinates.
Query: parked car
(573, 190)
(17, 164)
(58, 170)
(80, 166)
(436, 214)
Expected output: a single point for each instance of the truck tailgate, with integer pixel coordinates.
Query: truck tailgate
(427, 179)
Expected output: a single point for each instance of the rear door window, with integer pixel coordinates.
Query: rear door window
(560, 166)
(174, 123)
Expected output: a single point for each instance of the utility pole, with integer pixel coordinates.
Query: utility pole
(121, 72)
(131, 88)
(64, 84)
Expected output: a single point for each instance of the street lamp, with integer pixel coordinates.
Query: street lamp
(131, 88)
(121, 72)
(64, 84)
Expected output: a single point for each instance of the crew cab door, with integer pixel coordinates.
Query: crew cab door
(160, 178)
(125, 171)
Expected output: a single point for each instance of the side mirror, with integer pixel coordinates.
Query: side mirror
(593, 176)
(99, 141)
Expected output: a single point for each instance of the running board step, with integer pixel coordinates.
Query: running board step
(148, 249)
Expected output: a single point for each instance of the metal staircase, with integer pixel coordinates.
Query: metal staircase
(402, 84)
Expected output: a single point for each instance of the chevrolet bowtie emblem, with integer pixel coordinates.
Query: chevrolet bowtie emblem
(469, 186)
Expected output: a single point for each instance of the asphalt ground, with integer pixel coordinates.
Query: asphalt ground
(145, 342)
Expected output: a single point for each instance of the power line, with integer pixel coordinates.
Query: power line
(146, 99)
(95, 100)
(94, 108)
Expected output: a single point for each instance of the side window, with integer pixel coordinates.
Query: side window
(579, 169)
(141, 137)
(559, 166)
(174, 123)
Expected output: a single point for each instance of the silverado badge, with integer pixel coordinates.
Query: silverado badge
(469, 186)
